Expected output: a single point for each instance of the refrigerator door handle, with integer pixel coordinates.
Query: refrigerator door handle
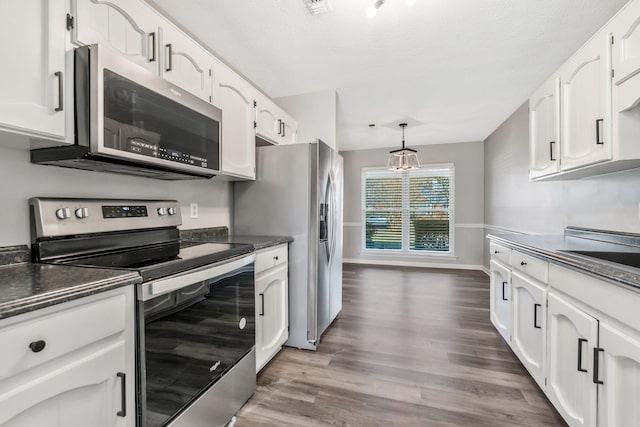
(333, 214)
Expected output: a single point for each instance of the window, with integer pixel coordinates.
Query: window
(409, 211)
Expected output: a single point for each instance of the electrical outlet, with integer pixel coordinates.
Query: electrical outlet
(194, 210)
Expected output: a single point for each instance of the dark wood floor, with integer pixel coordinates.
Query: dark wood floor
(412, 347)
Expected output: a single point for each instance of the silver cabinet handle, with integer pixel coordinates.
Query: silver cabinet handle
(170, 50)
(152, 58)
(123, 395)
(60, 76)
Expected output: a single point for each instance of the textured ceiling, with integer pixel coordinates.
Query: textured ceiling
(455, 69)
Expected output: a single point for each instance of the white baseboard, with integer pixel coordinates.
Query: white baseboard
(486, 271)
(412, 264)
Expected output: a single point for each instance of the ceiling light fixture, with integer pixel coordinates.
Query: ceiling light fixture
(373, 9)
(404, 158)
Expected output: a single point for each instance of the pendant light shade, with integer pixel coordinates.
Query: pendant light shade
(404, 158)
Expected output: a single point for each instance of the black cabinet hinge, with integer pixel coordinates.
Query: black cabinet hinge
(613, 39)
(70, 22)
(210, 100)
(255, 104)
(255, 125)
(210, 72)
(613, 73)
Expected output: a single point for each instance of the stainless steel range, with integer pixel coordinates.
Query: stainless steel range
(196, 325)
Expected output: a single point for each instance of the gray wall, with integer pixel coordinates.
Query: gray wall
(513, 204)
(469, 208)
(20, 180)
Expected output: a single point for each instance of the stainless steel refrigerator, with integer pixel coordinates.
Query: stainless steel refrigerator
(298, 192)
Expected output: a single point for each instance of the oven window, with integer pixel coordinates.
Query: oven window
(141, 121)
(191, 338)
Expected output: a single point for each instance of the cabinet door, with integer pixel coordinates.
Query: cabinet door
(501, 299)
(33, 86)
(235, 97)
(290, 131)
(625, 29)
(529, 325)
(129, 27)
(83, 389)
(267, 119)
(619, 366)
(586, 105)
(185, 63)
(544, 130)
(272, 314)
(573, 335)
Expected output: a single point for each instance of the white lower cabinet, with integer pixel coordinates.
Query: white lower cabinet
(578, 336)
(272, 303)
(529, 324)
(70, 365)
(501, 299)
(573, 334)
(619, 377)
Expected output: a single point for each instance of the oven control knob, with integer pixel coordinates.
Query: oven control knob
(171, 211)
(82, 213)
(162, 211)
(63, 213)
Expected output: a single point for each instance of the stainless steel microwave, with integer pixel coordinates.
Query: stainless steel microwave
(129, 120)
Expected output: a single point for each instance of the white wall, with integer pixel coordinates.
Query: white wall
(469, 200)
(608, 202)
(316, 114)
(20, 180)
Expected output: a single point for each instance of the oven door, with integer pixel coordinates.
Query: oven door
(192, 331)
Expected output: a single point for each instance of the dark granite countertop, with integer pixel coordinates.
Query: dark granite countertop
(28, 286)
(221, 235)
(560, 249)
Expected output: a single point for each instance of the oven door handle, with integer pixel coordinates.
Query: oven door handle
(159, 287)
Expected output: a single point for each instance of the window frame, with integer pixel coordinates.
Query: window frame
(406, 211)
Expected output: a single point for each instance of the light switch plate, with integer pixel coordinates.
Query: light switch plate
(194, 210)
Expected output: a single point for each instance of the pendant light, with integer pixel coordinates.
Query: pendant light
(404, 158)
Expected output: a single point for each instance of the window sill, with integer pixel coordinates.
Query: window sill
(410, 255)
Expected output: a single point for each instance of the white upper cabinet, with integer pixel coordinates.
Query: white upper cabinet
(127, 26)
(544, 129)
(273, 123)
(289, 129)
(235, 97)
(625, 28)
(585, 85)
(185, 63)
(35, 91)
(268, 119)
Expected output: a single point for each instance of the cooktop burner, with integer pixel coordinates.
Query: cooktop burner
(190, 255)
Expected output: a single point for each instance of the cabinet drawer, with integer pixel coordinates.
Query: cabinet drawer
(532, 266)
(271, 257)
(62, 331)
(500, 253)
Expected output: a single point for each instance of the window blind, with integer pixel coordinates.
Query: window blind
(408, 210)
